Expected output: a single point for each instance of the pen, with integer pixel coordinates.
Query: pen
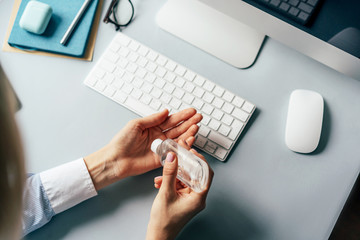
(74, 22)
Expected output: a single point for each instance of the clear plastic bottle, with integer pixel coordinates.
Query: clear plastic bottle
(192, 170)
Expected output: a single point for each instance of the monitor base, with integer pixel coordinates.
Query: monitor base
(212, 31)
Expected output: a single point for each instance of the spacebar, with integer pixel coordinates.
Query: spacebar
(138, 107)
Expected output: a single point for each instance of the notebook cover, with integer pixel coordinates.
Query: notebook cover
(64, 12)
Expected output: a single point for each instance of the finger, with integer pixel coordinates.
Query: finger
(158, 179)
(190, 141)
(174, 119)
(169, 174)
(153, 119)
(184, 126)
(189, 133)
(183, 144)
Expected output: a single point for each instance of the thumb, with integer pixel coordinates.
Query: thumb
(169, 173)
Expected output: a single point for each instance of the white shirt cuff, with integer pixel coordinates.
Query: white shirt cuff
(67, 185)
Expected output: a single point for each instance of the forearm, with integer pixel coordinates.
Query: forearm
(102, 167)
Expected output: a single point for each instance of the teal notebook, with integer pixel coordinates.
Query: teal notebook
(64, 11)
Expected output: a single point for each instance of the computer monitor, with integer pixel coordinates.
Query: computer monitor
(332, 36)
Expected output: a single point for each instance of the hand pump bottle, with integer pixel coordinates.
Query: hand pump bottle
(192, 170)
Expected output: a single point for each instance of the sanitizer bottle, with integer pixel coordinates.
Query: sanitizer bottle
(192, 170)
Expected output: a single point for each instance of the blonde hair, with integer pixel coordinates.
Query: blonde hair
(12, 173)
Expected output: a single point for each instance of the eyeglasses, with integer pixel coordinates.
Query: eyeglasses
(112, 11)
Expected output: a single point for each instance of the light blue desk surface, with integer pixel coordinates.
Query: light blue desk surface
(263, 191)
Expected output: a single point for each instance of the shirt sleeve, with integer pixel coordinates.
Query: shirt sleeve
(54, 191)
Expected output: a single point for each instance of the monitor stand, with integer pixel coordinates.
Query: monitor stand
(212, 31)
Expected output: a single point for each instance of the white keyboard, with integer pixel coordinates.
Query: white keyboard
(146, 82)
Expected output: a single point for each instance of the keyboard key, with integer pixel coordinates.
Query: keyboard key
(120, 97)
(207, 109)
(248, 107)
(199, 80)
(122, 62)
(284, 6)
(166, 98)
(159, 82)
(220, 139)
(156, 93)
(208, 97)
(178, 93)
(294, 2)
(214, 124)
(180, 70)
(143, 51)
(200, 141)
(220, 152)
(275, 3)
(147, 87)
(107, 66)
(169, 88)
(240, 114)
(205, 120)
(100, 86)
(312, 2)
(133, 57)
(209, 149)
(91, 81)
(189, 75)
(152, 55)
(124, 52)
(224, 130)
(170, 77)
(238, 101)
(161, 60)
(218, 102)
(218, 91)
(134, 46)
(204, 131)
(305, 7)
(151, 66)
(142, 61)
(198, 104)
(155, 104)
(175, 103)
(227, 119)
(189, 87)
(303, 16)
(139, 106)
(145, 99)
(150, 77)
(211, 145)
(217, 114)
(136, 93)
(179, 82)
(112, 57)
(228, 108)
(115, 47)
(170, 65)
(188, 98)
(209, 86)
(160, 72)
(198, 92)
(228, 96)
(294, 11)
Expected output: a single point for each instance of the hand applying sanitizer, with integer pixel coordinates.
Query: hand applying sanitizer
(192, 170)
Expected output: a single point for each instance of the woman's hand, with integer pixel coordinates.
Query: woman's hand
(176, 204)
(129, 154)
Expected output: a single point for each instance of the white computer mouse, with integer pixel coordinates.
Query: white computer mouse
(304, 121)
